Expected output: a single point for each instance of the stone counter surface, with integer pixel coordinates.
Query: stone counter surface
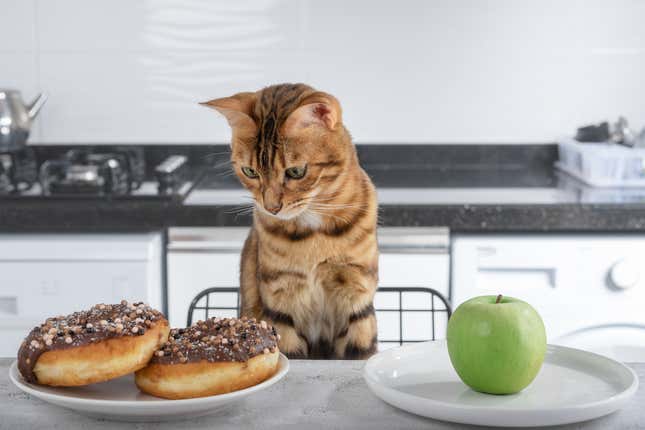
(104, 216)
(313, 395)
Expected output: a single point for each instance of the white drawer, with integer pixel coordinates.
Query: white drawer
(43, 289)
(52, 274)
(34, 291)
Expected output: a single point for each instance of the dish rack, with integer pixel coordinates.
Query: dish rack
(602, 164)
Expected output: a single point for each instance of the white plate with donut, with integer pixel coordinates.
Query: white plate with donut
(120, 400)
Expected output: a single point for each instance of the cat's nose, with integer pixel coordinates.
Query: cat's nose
(274, 208)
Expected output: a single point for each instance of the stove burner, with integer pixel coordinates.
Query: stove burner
(18, 171)
(106, 172)
(116, 172)
(5, 182)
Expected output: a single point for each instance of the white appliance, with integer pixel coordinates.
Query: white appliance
(43, 275)
(200, 258)
(589, 289)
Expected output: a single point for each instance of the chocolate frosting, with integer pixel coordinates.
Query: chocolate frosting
(218, 340)
(83, 328)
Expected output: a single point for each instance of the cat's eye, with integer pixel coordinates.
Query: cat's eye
(249, 172)
(296, 172)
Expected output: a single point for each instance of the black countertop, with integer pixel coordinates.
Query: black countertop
(468, 188)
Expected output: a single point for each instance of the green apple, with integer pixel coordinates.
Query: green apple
(496, 344)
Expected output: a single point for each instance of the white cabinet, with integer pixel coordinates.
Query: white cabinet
(43, 275)
(201, 258)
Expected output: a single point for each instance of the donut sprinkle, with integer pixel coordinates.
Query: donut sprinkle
(218, 340)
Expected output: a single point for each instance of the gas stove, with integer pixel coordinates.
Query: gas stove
(92, 173)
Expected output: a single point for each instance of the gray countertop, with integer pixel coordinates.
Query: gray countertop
(467, 188)
(315, 394)
(556, 209)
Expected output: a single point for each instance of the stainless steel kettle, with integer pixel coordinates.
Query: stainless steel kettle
(16, 118)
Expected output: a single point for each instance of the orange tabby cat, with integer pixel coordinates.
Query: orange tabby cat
(310, 263)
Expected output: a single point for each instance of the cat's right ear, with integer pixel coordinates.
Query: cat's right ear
(236, 109)
(319, 109)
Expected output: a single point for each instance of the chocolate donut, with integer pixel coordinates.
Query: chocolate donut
(104, 342)
(211, 357)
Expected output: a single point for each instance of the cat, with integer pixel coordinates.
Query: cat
(310, 263)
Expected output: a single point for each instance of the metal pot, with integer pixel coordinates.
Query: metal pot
(16, 118)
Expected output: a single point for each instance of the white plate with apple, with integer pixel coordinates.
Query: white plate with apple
(571, 385)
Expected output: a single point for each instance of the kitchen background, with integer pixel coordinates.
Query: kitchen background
(441, 71)
(461, 110)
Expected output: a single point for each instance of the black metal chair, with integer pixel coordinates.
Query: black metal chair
(438, 305)
(209, 306)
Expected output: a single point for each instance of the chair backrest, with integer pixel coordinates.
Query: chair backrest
(402, 302)
(227, 306)
(420, 314)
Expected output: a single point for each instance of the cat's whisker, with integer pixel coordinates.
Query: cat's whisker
(360, 208)
(227, 165)
(339, 207)
(215, 154)
(239, 214)
(222, 166)
(225, 174)
(317, 198)
(240, 211)
(325, 197)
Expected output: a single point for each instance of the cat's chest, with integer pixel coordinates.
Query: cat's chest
(308, 254)
(312, 307)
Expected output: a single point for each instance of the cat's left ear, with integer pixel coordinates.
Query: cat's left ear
(237, 109)
(319, 109)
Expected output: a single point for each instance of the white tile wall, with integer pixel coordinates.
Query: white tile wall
(412, 71)
(17, 32)
(18, 50)
(135, 71)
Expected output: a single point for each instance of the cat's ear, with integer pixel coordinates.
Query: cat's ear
(319, 109)
(237, 109)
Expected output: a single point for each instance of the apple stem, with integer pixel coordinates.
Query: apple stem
(499, 299)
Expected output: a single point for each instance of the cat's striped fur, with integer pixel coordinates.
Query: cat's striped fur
(311, 269)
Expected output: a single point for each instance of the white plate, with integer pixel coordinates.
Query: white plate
(572, 386)
(121, 400)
